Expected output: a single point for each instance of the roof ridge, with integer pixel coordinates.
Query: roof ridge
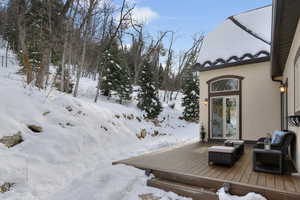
(247, 11)
(243, 27)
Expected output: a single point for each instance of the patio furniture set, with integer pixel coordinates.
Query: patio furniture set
(271, 155)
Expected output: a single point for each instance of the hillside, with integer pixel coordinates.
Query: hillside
(71, 158)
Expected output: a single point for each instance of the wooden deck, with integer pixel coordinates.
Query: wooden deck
(188, 166)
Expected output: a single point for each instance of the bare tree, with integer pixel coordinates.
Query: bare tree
(86, 28)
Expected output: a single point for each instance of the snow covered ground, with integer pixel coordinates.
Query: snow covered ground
(71, 158)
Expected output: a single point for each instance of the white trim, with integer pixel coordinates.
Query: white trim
(297, 85)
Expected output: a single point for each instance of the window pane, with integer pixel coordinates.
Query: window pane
(225, 85)
(231, 117)
(217, 117)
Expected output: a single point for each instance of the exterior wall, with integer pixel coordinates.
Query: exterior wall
(261, 108)
(289, 74)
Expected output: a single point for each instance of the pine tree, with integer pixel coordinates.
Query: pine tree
(116, 77)
(124, 90)
(148, 100)
(191, 97)
(110, 76)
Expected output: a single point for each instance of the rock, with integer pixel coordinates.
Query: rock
(172, 105)
(103, 127)
(6, 187)
(117, 116)
(130, 117)
(10, 141)
(69, 108)
(155, 133)
(46, 113)
(138, 136)
(35, 128)
(70, 124)
(156, 122)
(143, 133)
(62, 125)
(139, 119)
(148, 197)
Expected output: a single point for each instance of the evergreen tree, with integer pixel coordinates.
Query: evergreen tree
(116, 77)
(191, 97)
(148, 100)
(160, 76)
(110, 77)
(124, 90)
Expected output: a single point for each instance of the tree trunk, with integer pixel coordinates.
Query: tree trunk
(79, 72)
(62, 79)
(6, 54)
(43, 69)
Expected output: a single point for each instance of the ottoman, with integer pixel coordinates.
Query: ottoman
(222, 155)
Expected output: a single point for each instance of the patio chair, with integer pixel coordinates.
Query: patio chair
(278, 158)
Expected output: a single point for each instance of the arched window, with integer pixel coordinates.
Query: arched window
(225, 85)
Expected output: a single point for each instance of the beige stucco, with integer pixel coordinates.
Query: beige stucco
(289, 74)
(260, 99)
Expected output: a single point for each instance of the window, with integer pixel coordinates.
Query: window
(223, 85)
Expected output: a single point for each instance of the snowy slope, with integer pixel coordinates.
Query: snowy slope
(71, 158)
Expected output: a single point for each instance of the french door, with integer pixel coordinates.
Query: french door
(224, 120)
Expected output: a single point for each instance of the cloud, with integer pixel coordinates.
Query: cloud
(144, 15)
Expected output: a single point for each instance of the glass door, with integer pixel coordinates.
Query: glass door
(225, 117)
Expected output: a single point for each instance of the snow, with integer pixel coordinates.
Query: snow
(229, 40)
(259, 21)
(75, 161)
(250, 196)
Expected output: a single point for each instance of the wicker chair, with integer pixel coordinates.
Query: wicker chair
(277, 159)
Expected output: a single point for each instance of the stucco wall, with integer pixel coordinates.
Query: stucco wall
(260, 99)
(289, 73)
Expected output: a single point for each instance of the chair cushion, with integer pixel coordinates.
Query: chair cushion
(277, 137)
(221, 149)
(235, 141)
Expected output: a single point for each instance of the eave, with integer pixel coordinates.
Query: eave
(233, 61)
(285, 19)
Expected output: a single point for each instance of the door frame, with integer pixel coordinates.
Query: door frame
(224, 115)
(225, 93)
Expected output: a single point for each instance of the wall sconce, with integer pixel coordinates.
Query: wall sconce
(205, 102)
(282, 88)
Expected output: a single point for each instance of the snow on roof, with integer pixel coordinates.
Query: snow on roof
(246, 33)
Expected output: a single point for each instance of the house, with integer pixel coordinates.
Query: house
(238, 99)
(240, 96)
(249, 86)
(285, 62)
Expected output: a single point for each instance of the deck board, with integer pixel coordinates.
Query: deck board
(192, 160)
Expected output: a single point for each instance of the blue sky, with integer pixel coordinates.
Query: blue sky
(187, 17)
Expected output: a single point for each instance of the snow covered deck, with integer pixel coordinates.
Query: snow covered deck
(185, 170)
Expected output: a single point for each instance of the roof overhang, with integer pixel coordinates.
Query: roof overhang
(202, 68)
(286, 14)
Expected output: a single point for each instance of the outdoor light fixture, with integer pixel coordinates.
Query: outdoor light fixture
(205, 102)
(282, 88)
